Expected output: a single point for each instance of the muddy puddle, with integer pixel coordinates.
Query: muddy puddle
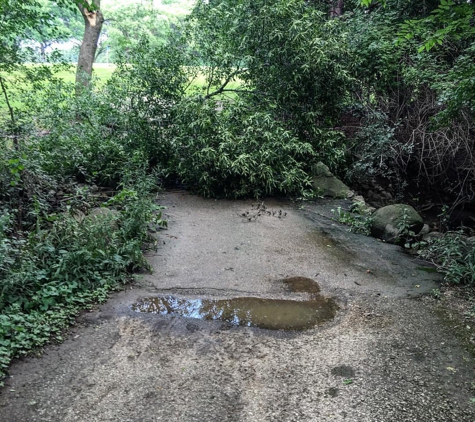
(271, 314)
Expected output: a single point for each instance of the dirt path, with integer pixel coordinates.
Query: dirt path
(386, 356)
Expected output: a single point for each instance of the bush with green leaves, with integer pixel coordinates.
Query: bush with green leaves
(66, 262)
(412, 63)
(376, 151)
(94, 135)
(147, 84)
(454, 257)
(53, 260)
(288, 58)
(358, 220)
(77, 137)
(236, 151)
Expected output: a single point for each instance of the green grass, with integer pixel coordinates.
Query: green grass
(16, 85)
(101, 74)
(101, 71)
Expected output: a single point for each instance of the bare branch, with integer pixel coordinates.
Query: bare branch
(12, 114)
(222, 88)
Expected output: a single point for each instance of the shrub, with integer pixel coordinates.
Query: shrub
(237, 152)
(454, 257)
(375, 150)
(67, 262)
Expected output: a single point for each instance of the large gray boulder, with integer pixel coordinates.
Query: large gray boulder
(326, 184)
(390, 222)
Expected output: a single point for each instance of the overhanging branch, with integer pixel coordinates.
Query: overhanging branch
(223, 88)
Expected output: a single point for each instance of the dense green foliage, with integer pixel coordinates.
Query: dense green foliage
(62, 26)
(64, 263)
(420, 93)
(290, 58)
(241, 99)
(403, 70)
(238, 151)
(454, 257)
(58, 251)
(55, 259)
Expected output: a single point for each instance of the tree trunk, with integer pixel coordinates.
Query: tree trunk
(93, 20)
(43, 52)
(336, 8)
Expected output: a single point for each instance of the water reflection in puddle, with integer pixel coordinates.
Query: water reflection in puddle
(271, 314)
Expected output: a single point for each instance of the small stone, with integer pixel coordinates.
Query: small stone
(358, 199)
(425, 230)
(433, 235)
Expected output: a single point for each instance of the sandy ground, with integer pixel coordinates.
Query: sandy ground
(387, 356)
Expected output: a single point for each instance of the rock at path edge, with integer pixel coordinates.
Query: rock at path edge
(387, 222)
(326, 184)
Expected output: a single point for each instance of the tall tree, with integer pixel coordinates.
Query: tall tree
(62, 24)
(93, 20)
(131, 20)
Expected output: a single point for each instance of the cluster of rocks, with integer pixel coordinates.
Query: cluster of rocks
(389, 223)
(378, 194)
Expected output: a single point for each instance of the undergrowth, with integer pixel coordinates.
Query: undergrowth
(357, 220)
(454, 257)
(66, 262)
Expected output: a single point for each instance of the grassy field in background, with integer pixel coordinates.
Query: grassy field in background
(101, 73)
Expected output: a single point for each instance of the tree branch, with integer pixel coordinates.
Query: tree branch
(210, 81)
(12, 114)
(222, 88)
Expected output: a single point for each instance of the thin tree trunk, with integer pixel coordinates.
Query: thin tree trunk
(16, 144)
(43, 52)
(336, 8)
(93, 20)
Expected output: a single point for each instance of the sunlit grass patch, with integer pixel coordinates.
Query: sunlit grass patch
(101, 73)
(199, 84)
(16, 83)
